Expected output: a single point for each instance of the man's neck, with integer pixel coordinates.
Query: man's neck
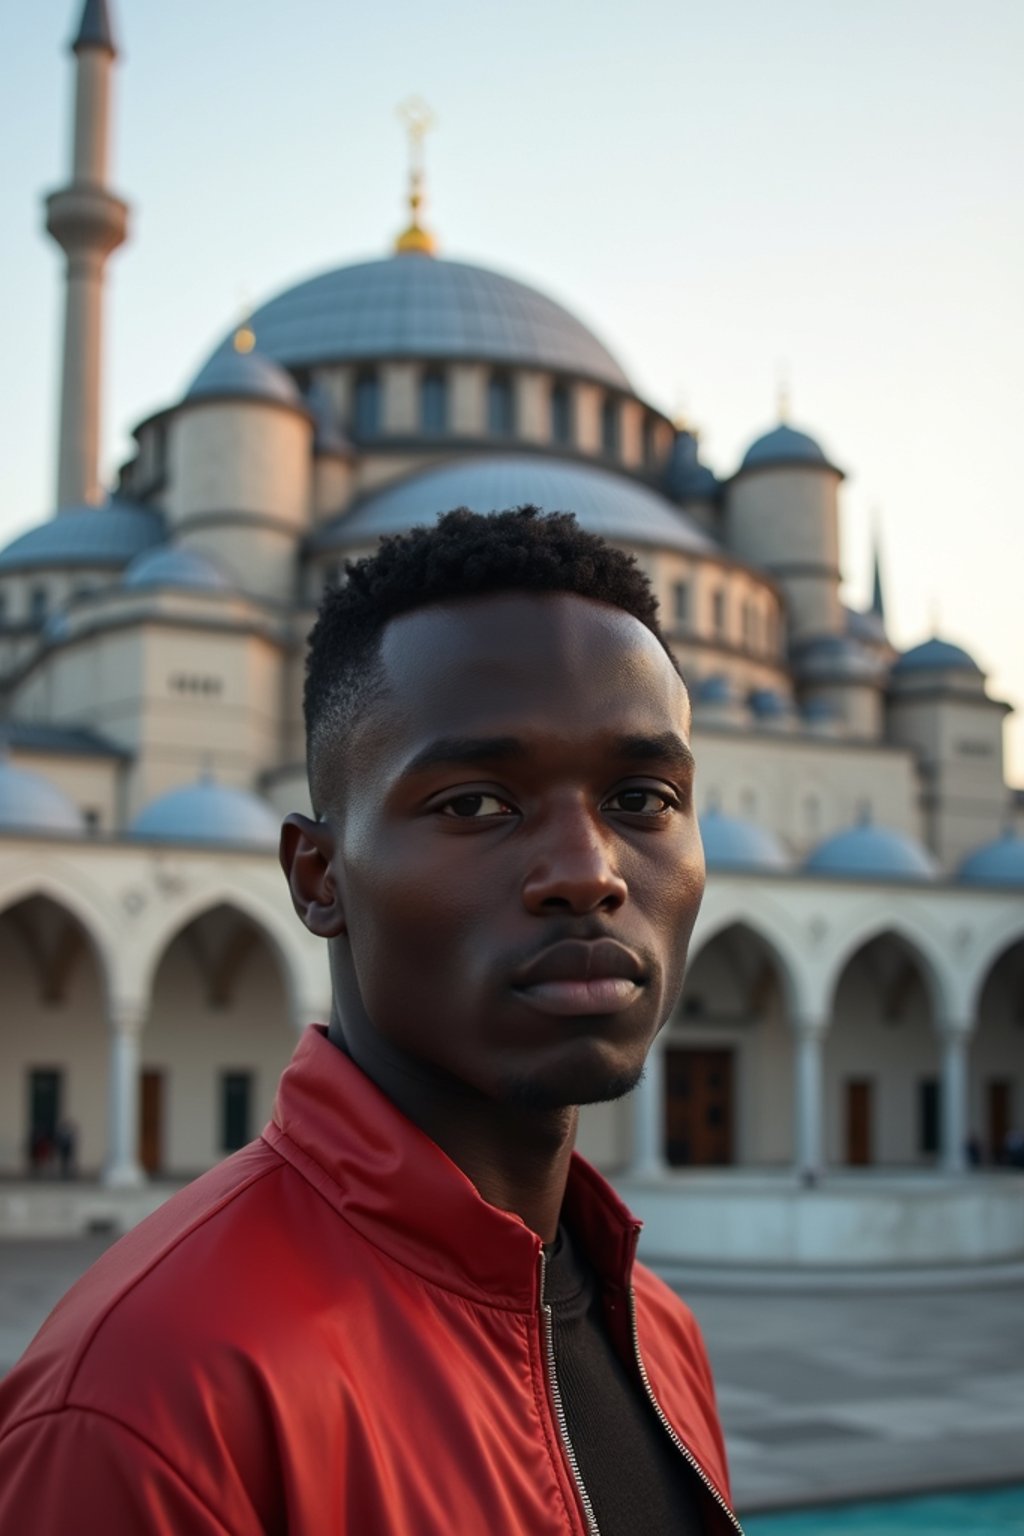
(517, 1156)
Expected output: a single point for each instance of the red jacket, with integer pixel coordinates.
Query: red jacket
(329, 1333)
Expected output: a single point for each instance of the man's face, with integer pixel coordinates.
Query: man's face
(517, 856)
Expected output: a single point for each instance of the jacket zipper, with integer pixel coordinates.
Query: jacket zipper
(690, 1458)
(556, 1403)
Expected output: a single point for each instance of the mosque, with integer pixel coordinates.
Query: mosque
(847, 1064)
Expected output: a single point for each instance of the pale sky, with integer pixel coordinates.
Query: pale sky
(724, 192)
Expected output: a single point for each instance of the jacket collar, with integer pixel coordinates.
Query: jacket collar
(396, 1187)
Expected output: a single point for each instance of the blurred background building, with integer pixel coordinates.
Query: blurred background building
(855, 997)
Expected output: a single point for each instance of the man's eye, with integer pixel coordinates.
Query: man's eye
(643, 802)
(475, 807)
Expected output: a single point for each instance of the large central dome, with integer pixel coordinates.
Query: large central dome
(418, 306)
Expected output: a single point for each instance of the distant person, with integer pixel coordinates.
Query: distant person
(409, 1308)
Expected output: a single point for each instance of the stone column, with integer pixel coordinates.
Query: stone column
(648, 1150)
(122, 1169)
(953, 1099)
(810, 1096)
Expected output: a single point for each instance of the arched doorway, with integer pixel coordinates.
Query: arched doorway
(217, 1038)
(728, 1067)
(883, 1072)
(53, 1042)
(996, 1103)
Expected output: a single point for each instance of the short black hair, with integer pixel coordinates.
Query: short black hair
(463, 555)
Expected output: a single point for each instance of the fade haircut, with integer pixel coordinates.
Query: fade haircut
(464, 555)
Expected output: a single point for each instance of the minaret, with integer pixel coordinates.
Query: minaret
(88, 222)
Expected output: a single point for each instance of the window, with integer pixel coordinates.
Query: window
(366, 416)
(929, 1113)
(500, 409)
(681, 603)
(718, 612)
(610, 426)
(3, 609)
(747, 622)
(561, 414)
(235, 1108)
(37, 605)
(433, 401)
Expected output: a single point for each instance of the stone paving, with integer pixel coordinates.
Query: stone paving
(823, 1395)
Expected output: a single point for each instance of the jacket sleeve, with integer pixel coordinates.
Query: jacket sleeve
(76, 1470)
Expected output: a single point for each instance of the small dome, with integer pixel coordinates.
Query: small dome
(997, 863)
(936, 655)
(231, 372)
(30, 803)
(731, 843)
(872, 853)
(839, 657)
(612, 505)
(208, 812)
(172, 565)
(108, 535)
(868, 626)
(687, 479)
(783, 445)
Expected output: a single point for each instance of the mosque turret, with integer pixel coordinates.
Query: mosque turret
(782, 515)
(88, 222)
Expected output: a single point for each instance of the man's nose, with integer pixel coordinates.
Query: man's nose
(573, 869)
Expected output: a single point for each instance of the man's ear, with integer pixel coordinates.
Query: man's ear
(306, 850)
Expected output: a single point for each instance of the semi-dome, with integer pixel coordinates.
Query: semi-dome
(426, 308)
(784, 445)
(936, 655)
(604, 502)
(174, 565)
(30, 803)
(770, 704)
(841, 658)
(717, 688)
(250, 374)
(208, 812)
(997, 863)
(109, 535)
(869, 852)
(733, 843)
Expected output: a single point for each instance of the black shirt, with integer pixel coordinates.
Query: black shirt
(637, 1480)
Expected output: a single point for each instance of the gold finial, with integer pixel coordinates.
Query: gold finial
(418, 119)
(782, 393)
(244, 339)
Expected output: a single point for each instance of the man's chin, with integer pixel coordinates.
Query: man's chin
(568, 1087)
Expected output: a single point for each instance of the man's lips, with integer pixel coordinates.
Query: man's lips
(581, 977)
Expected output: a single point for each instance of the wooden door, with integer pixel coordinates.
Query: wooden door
(859, 1118)
(699, 1107)
(999, 1118)
(151, 1120)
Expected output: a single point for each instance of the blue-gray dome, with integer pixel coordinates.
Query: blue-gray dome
(784, 445)
(208, 812)
(840, 657)
(997, 863)
(30, 803)
(687, 478)
(108, 535)
(731, 843)
(936, 655)
(414, 306)
(251, 374)
(173, 565)
(872, 853)
(604, 502)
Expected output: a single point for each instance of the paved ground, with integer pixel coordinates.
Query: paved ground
(823, 1396)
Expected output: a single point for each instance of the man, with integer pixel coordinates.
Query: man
(409, 1307)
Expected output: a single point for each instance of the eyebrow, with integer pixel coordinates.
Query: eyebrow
(449, 751)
